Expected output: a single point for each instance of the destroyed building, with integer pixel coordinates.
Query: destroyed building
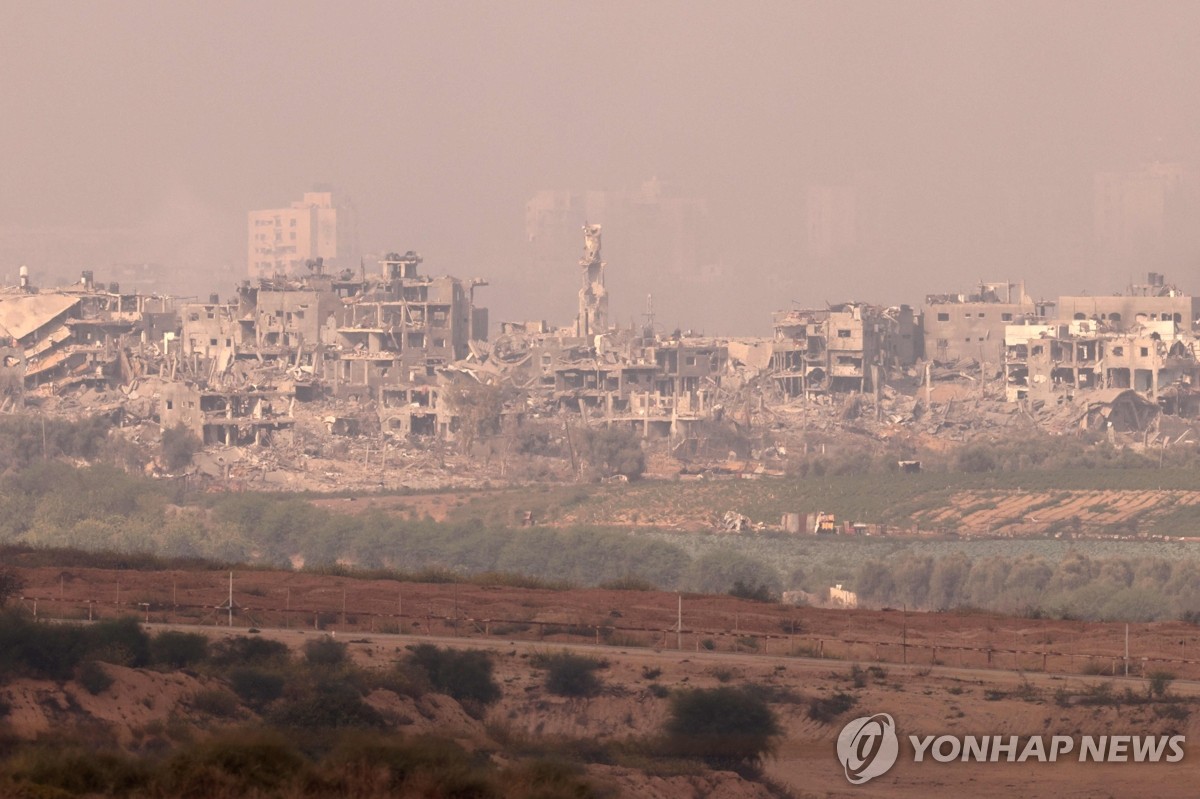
(86, 333)
(1144, 341)
(391, 355)
(1043, 361)
(971, 326)
(229, 416)
(842, 348)
(376, 339)
(1153, 301)
(400, 326)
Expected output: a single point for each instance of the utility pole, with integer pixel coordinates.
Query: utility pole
(1126, 650)
(679, 623)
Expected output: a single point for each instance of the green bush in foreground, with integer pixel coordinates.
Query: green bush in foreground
(331, 705)
(725, 727)
(465, 674)
(256, 687)
(178, 649)
(571, 675)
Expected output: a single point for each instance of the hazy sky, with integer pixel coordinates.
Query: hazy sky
(970, 129)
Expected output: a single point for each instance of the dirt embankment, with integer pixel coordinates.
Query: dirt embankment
(144, 708)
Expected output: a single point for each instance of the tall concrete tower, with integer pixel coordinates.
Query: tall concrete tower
(593, 297)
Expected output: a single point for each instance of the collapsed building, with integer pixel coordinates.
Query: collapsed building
(660, 386)
(395, 354)
(376, 341)
(84, 334)
(1061, 359)
(842, 348)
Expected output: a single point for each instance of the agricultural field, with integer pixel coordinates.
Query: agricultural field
(1029, 502)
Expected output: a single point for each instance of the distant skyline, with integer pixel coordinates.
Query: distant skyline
(961, 141)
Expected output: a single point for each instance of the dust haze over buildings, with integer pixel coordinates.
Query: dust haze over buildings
(738, 157)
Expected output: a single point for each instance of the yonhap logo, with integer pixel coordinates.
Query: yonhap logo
(868, 747)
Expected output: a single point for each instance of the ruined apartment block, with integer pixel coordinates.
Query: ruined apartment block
(390, 350)
(87, 333)
(402, 326)
(377, 338)
(972, 326)
(232, 417)
(1144, 341)
(843, 348)
(1152, 301)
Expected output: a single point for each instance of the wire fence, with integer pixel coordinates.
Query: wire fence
(1110, 654)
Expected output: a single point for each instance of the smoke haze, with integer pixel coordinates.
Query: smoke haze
(826, 151)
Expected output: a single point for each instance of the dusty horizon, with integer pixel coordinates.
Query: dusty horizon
(820, 152)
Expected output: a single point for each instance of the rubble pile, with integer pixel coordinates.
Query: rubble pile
(388, 379)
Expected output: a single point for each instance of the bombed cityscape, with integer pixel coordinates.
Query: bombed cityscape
(313, 376)
(549, 400)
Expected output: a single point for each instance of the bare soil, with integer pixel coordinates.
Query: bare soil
(936, 691)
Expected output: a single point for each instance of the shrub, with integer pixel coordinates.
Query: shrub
(1174, 711)
(325, 652)
(238, 765)
(121, 642)
(551, 777)
(1160, 683)
(40, 651)
(10, 585)
(720, 571)
(614, 450)
(94, 678)
(332, 705)
(255, 687)
(726, 727)
(975, 459)
(756, 593)
(178, 649)
(243, 651)
(215, 702)
(425, 766)
(465, 674)
(179, 445)
(826, 709)
(62, 771)
(568, 674)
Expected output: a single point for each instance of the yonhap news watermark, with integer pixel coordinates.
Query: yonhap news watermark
(869, 746)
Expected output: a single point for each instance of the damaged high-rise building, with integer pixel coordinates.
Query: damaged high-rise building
(593, 296)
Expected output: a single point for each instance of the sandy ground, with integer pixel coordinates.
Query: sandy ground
(948, 691)
(923, 701)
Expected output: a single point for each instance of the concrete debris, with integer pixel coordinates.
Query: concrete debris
(734, 522)
(389, 379)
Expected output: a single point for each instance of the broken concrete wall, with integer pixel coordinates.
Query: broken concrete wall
(1124, 312)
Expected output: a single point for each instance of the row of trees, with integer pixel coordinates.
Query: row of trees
(102, 508)
(1142, 589)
